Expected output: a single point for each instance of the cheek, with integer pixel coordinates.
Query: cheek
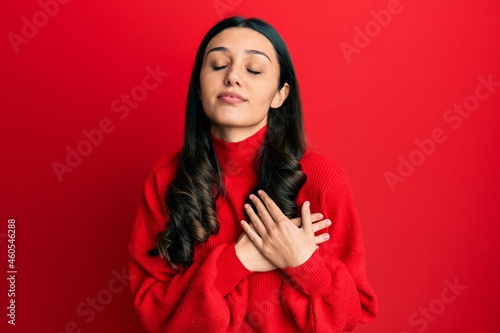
(206, 90)
(208, 83)
(265, 93)
(206, 77)
(203, 81)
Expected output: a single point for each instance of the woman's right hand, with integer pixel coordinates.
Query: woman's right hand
(254, 261)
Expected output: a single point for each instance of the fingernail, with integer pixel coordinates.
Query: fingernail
(307, 203)
(260, 192)
(328, 223)
(247, 206)
(242, 222)
(251, 196)
(326, 236)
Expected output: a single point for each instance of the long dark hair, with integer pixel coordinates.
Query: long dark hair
(191, 195)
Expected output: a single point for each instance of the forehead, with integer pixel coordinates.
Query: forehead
(239, 39)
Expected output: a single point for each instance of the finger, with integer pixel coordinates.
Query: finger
(321, 225)
(314, 218)
(321, 238)
(244, 234)
(306, 217)
(271, 207)
(262, 211)
(252, 234)
(257, 224)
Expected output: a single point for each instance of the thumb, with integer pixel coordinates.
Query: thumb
(306, 217)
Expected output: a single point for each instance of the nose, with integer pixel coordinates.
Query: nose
(233, 77)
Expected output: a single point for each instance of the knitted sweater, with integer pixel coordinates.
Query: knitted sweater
(327, 293)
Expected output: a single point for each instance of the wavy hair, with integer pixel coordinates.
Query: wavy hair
(192, 194)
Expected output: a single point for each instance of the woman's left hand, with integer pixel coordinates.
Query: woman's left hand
(276, 236)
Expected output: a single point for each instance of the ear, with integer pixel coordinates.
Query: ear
(280, 96)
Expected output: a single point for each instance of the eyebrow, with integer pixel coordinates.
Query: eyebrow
(226, 50)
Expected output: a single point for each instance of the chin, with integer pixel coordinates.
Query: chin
(234, 123)
(224, 118)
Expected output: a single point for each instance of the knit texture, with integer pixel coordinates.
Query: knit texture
(327, 293)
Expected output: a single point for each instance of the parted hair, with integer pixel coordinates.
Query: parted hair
(191, 196)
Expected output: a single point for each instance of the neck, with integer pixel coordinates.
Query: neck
(238, 158)
(235, 134)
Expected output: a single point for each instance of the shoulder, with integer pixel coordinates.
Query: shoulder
(162, 172)
(165, 164)
(329, 190)
(326, 181)
(324, 172)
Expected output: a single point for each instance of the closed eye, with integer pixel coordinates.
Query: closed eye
(253, 72)
(218, 68)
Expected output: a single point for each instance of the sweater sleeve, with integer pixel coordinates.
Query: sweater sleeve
(330, 291)
(209, 295)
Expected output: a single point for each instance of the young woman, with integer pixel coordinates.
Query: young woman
(224, 239)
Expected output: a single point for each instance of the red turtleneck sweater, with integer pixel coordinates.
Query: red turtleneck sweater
(328, 293)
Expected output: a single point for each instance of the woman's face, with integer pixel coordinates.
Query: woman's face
(239, 83)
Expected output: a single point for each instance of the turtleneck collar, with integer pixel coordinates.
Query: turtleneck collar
(238, 158)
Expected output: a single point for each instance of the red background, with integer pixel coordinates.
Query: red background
(364, 111)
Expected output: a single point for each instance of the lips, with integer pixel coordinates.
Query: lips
(230, 97)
